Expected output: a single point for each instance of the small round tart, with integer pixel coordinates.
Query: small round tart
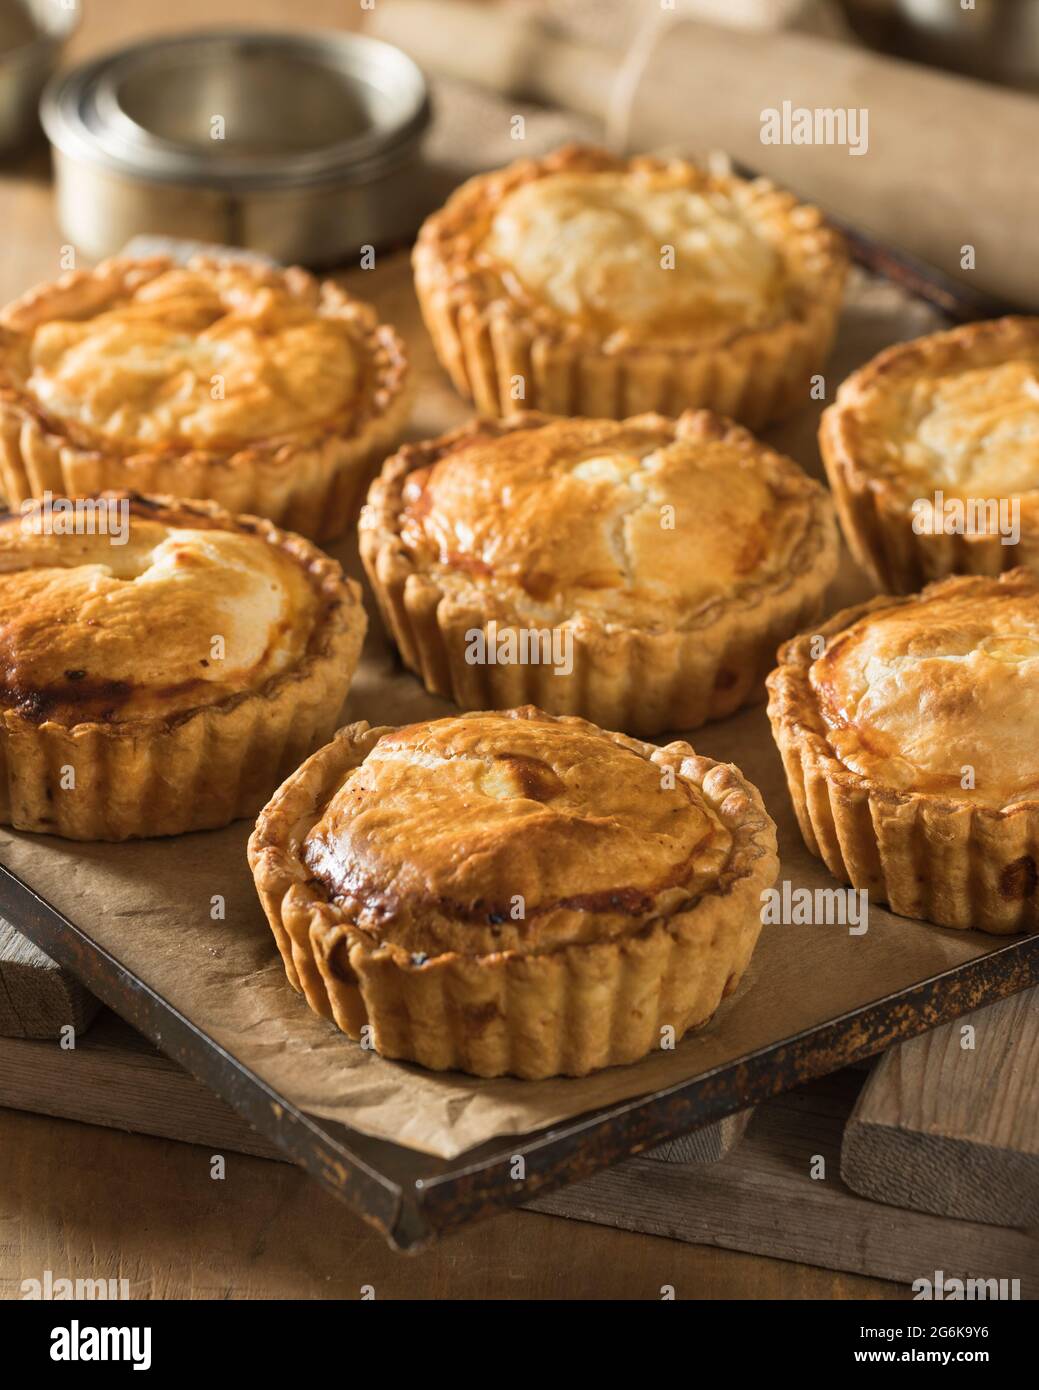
(909, 730)
(261, 389)
(163, 664)
(932, 451)
(586, 284)
(513, 893)
(640, 572)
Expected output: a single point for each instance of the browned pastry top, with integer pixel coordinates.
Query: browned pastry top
(644, 251)
(145, 356)
(646, 522)
(956, 411)
(194, 606)
(516, 831)
(915, 691)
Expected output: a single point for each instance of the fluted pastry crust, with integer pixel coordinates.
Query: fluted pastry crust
(262, 389)
(586, 284)
(513, 893)
(673, 557)
(956, 413)
(167, 683)
(911, 748)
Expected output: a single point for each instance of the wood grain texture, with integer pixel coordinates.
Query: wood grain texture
(954, 1130)
(37, 997)
(763, 1198)
(114, 1077)
(758, 1200)
(86, 1202)
(707, 1145)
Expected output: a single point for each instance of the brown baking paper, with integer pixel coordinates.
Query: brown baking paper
(148, 903)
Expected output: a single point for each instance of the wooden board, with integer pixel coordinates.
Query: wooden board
(759, 1199)
(101, 1204)
(707, 1145)
(114, 1077)
(37, 997)
(763, 1199)
(949, 1122)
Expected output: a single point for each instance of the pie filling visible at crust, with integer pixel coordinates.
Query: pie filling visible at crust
(928, 445)
(584, 284)
(911, 746)
(261, 388)
(672, 557)
(511, 892)
(178, 660)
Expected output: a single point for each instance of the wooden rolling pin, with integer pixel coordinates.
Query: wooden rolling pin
(949, 164)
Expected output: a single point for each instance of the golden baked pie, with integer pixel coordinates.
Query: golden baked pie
(261, 389)
(909, 729)
(513, 893)
(585, 284)
(640, 572)
(163, 665)
(932, 450)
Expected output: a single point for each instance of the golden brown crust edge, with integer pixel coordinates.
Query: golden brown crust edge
(927, 856)
(314, 486)
(757, 377)
(874, 517)
(569, 1011)
(642, 682)
(199, 770)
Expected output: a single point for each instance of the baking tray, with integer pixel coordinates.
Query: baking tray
(413, 1197)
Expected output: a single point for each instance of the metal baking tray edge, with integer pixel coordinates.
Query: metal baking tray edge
(413, 1198)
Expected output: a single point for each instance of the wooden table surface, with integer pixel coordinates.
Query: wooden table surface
(92, 1203)
(86, 1202)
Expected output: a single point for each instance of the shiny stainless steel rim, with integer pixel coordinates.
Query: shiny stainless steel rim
(84, 119)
